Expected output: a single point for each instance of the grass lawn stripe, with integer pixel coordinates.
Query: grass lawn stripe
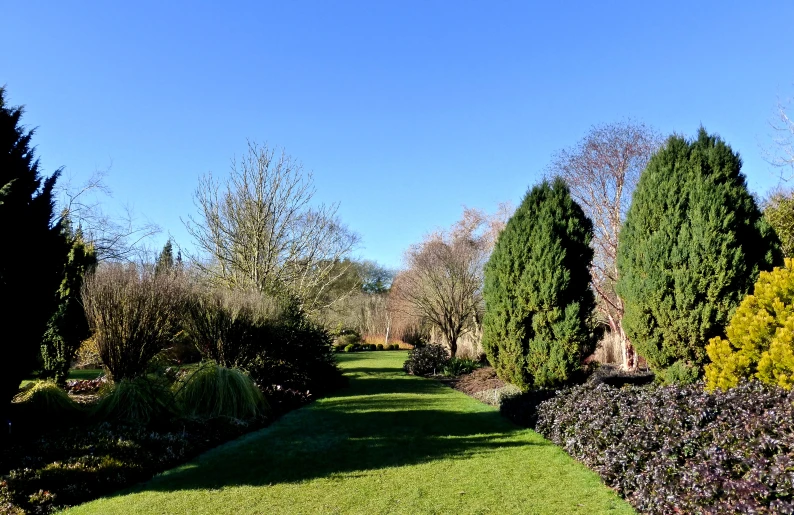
(389, 443)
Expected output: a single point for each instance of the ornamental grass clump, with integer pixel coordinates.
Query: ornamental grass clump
(213, 391)
(760, 337)
(45, 400)
(141, 400)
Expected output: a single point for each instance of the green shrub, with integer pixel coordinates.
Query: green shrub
(692, 246)
(538, 300)
(679, 373)
(372, 346)
(395, 346)
(137, 401)
(759, 340)
(350, 348)
(213, 391)
(426, 360)
(379, 346)
(46, 402)
(348, 339)
(294, 352)
(458, 366)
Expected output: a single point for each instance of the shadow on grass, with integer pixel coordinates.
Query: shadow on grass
(383, 419)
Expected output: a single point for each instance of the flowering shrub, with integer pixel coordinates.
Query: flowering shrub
(682, 449)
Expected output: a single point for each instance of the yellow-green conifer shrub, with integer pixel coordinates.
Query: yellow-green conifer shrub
(760, 335)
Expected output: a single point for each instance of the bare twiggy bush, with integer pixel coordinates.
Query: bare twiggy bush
(133, 314)
(224, 325)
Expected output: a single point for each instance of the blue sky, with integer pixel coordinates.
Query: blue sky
(404, 111)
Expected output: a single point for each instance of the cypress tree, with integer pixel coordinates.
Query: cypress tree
(692, 246)
(33, 255)
(165, 261)
(538, 301)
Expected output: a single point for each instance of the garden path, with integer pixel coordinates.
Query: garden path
(388, 443)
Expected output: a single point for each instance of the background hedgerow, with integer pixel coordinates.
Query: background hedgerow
(681, 449)
(427, 360)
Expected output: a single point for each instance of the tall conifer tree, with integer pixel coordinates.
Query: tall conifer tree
(538, 301)
(692, 246)
(33, 255)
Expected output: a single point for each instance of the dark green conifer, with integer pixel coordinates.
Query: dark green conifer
(538, 302)
(33, 254)
(692, 246)
(68, 327)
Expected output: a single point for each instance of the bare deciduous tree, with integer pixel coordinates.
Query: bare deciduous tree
(781, 154)
(443, 277)
(114, 238)
(602, 171)
(260, 231)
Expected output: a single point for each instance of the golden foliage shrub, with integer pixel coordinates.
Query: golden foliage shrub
(760, 336)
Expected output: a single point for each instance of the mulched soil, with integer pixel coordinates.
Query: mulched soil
(478, 381)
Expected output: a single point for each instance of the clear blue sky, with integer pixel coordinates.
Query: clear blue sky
(404, 111)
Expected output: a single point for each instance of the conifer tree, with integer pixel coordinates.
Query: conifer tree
(165, 261)
(68, 327)
(538, 301)
(33, 255)
(692, 246)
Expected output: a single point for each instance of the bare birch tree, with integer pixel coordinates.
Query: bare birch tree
(602, 171)
(443, 277)
(260, 231)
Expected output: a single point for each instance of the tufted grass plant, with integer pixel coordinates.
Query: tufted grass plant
(138, 401)
(213, 391)
(47, 401)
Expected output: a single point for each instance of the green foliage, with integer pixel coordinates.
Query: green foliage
(379, 346)
(47, 402)
(760, 337)
(139, 400)
(458, 366)
(779, 213)
(427, 360)
(350, 348)
(692, 245)
(165, 261)
(348, 339)
(213, 391)
(33, 255)
(68, 327)
(538, 300)
(679, 373)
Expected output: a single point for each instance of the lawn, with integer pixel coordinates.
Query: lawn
(86, 373)
(389, 443)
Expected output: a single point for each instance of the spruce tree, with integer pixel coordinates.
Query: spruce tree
(692, 246)
(33, 255)
(538, 301)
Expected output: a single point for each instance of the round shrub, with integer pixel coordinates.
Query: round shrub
(427, 360)
(538, 300)
(213, 391)
(372, 346)
(348, 339)
(350, 348)
(760, 337)
(379, 346)
(395, 346)
(46, 401)
(137, 401)
(692, 246)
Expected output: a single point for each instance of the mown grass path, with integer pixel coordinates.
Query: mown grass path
(389, 443)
